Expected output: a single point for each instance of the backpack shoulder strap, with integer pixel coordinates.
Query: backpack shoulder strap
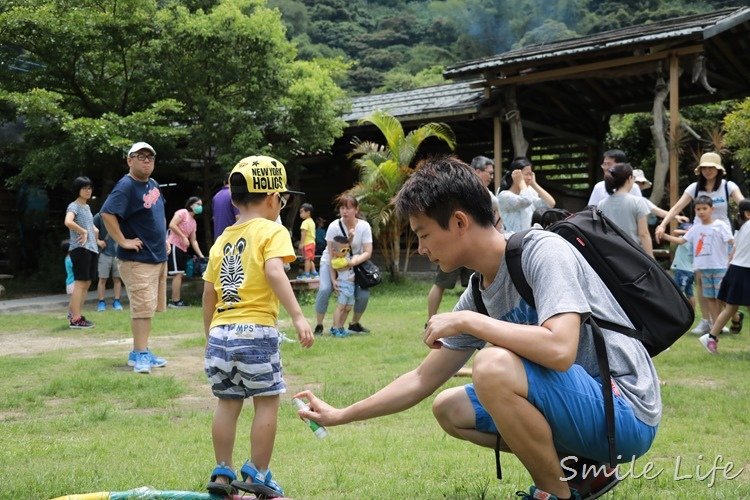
(513, 251)
(477, 295)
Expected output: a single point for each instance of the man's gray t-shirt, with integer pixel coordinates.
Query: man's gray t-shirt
(564, 282)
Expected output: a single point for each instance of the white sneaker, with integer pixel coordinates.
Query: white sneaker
(702, 327)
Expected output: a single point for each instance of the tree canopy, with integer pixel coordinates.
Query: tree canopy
(206, 82)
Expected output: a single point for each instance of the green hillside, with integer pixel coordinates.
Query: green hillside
(403, 44)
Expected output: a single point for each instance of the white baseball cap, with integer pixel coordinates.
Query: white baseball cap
(140, 145)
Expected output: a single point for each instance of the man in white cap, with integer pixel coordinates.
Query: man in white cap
(134, 216)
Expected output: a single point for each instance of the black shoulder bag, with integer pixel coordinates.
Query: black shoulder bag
(366, 274)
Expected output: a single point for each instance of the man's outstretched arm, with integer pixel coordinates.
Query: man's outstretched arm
(401, 394)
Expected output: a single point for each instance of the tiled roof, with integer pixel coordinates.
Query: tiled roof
(698, 27)
(428, 103)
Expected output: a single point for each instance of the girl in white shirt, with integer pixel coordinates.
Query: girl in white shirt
(735, 286)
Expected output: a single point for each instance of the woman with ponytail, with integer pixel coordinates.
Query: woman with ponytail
(628, 212)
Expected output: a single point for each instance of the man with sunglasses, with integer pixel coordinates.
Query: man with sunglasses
(133, 214)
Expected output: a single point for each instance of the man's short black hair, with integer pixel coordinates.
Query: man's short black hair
(616, 154)
(439, 187)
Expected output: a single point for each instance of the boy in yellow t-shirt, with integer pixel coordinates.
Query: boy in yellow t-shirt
(243, 284)
(307, 242)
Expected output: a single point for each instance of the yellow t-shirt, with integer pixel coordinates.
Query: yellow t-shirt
(309, 227)
(236, 267)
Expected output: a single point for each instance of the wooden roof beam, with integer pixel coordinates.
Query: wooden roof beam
(723, 80)
(564, 102)
(737, 66)
(558, 132)
(558, 73)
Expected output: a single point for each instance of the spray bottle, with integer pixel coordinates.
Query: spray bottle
(319, 431)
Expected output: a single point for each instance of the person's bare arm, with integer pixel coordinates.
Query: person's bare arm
(113, 228)
(194, 245)
(684, 201)
(210, 298)
(276, 276)
(674, 239)
(737, 195)
(71, 224)
(645, 236)
(401, 394)
(362, 257)
(554, 344)
(547, 198)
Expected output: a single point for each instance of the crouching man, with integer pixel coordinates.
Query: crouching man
(535, 378)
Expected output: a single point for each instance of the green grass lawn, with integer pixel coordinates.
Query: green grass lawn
(75, 419)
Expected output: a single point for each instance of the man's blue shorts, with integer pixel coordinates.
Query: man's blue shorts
(573, 405)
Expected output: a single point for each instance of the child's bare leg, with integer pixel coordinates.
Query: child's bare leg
(702, 301)
(308, 266)
(176, 286)
(338, 316)
(78, 297)
(263, 432)
(345, 314)
(84, 292)
(722, 318)
(224, 429)
(714, 308)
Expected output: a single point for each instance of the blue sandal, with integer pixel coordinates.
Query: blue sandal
(254, 482)
(218, 488)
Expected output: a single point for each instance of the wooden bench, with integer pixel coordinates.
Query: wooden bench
(312, 284)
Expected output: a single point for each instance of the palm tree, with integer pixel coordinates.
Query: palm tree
(383, 170)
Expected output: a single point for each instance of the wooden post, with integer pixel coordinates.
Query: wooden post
(497, 142)
(674, 123)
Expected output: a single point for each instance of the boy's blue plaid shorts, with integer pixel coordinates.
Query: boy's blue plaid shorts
(243, 361)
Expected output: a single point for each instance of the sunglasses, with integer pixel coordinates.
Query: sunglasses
(283, 199)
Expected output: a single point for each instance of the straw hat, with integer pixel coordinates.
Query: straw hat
(710, 160)
(640, 177)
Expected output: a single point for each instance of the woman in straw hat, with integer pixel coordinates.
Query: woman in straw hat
(710, 183)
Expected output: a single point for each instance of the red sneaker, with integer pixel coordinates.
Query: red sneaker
(81, 322)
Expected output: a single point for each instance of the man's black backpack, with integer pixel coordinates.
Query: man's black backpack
(658, 310)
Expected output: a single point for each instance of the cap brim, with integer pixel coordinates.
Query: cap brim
(289, 191)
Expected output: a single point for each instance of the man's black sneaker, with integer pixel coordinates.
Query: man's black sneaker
(318, 330)
(357, 327)
(592, 479)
